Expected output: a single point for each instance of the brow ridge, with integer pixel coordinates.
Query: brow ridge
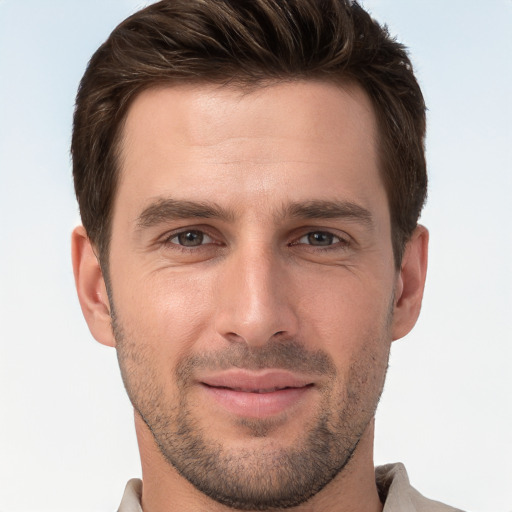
(165, 209)
(329, 209)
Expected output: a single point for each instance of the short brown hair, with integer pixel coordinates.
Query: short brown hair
(246, 43)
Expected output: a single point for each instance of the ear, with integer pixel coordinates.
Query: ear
(410, 283)
(90, 286)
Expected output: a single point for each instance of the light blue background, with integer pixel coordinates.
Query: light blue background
(66, 436)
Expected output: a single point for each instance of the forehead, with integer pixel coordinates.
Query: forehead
(292, 138)
(206, 113)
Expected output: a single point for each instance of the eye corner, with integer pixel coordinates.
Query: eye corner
(322, 239)
(186, 238)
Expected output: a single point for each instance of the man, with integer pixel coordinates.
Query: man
(250, 176)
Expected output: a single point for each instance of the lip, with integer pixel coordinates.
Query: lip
(256, 394)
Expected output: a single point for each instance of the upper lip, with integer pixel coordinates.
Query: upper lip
(256, 381)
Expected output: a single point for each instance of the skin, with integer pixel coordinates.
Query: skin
(293, 271)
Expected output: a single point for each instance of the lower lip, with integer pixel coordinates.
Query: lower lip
(257, 405)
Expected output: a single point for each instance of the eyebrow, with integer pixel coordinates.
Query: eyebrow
(325, 209)
(166, 209)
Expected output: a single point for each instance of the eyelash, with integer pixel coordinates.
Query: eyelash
(167, 241)
(336, 241)
(340, 241)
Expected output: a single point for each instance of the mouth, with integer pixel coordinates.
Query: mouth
(258, 390)
(256, 394)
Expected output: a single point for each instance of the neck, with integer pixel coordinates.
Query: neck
(165, 490)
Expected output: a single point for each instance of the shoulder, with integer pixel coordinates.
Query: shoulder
(398, 495)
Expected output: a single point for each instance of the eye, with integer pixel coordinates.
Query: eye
(320, 239)
(190, 238)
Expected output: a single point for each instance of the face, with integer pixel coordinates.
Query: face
(252, 283)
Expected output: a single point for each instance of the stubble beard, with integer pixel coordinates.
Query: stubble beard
(272, 477)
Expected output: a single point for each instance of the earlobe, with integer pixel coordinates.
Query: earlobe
(410, 283)
(90, 287)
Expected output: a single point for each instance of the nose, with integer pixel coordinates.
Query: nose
(256, 299)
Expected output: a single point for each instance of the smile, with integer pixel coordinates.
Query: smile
(256, 395)
(249, 390)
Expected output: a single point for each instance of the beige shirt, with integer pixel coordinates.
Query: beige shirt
(392, 481)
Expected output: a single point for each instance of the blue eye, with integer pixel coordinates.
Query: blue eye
(190, 238)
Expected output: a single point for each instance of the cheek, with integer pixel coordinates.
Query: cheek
(350, 320)
(166, 310)
(345, 308)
